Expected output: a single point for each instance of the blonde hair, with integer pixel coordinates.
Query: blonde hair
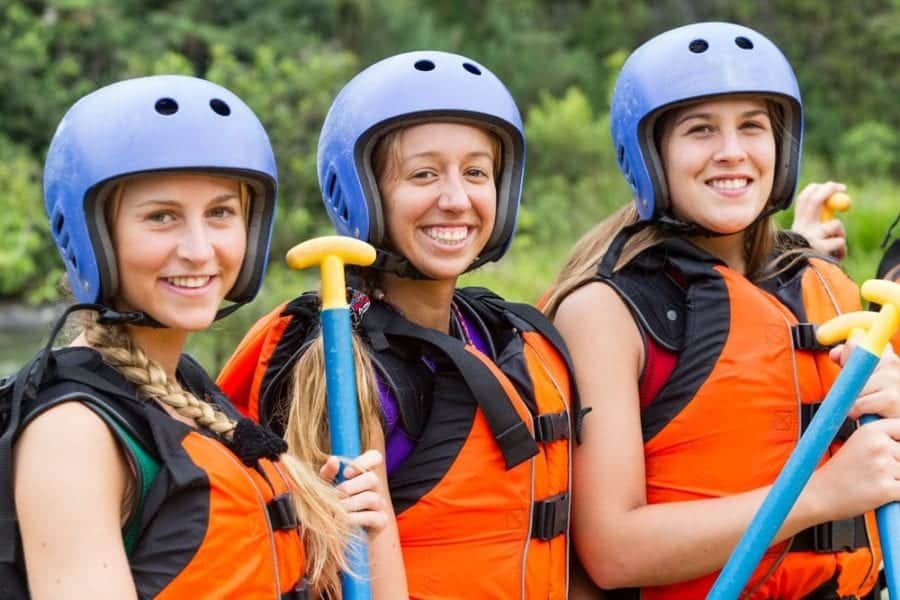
(306, 416)
(323, 521)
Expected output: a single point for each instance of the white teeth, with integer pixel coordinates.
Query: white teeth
(189, 282)
(729, 184)
(449, 235)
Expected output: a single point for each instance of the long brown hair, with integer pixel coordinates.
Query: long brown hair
(767, 251)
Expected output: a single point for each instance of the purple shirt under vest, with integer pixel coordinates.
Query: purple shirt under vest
(397, 444)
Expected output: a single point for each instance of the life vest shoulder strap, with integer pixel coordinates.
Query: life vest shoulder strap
(496, 312)
(387, 329)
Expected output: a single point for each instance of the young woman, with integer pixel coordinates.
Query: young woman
(134, 476)
(422, 155)
(690, 321)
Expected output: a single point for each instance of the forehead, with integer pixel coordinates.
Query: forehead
(722, 106)
(179, 185)
(444, 137)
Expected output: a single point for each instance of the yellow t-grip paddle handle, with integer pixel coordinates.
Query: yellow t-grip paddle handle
(879, 327)
(837, 202)
(331, 253)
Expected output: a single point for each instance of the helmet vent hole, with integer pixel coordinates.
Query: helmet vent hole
(620, 155)
(166, 106)
(345, 213)
(424, 65)
(219, 107)
(698, 46)
(743, 42)
(471, 68)
(329, 187)
(58, 221)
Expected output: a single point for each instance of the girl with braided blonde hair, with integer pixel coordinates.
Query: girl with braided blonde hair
(134, 476)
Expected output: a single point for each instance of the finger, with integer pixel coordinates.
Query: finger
(809, 203)
(371, 521)
(360, 483)
(330, 469)
(833, 228)
(363, 501)
(368, 460)
(836, 247)
(841, 352)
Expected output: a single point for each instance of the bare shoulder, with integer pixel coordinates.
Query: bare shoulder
(65, 447)
(595, 309)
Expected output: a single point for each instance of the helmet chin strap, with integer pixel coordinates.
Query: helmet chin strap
(672, 225)
(109, 316)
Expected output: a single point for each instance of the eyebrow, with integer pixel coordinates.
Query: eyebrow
(169, 202)
(705, 115)
(431, 153)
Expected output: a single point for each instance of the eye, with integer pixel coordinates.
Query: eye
(423, 175)
(162, 217)
(222, 212)
(700, 129)
(760, 124)
(477, 172)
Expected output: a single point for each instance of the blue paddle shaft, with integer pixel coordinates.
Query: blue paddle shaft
(343, 421)
(794, 475)
(340, 381)
(888, 517)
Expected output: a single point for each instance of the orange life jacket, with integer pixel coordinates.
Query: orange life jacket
(482, 502)
(209, 524)
(729, 415)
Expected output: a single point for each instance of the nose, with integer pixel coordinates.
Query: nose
(732, 147)
(195, 244)
(454, 197)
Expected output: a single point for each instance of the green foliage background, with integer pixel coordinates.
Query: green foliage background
(288, 59)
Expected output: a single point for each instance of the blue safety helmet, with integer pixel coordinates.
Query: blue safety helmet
(688, 64)
(406, 89)
(144, 125)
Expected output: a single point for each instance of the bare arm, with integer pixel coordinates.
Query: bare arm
(70, 478)
(675, 541)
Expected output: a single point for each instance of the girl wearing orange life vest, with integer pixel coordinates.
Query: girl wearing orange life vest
(422, 155)
(691, 324)
(161, 194)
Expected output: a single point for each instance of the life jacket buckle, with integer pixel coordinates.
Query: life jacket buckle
(550, 517)
(300, 591)
(552, 427)
(808, 411)
(282, 512)
(835, 536)
(803, 336)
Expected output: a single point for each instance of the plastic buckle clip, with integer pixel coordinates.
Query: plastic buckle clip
(282, 512)
(550, 517)
(552, 427)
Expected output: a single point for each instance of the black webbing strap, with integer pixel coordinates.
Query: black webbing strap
(550, 517)
(845, 535)
(9, 527)
(803, 336)
(510, 431)
(808, 411)
(282, 512)
(552, 427)
(300, 591)
(538, 322)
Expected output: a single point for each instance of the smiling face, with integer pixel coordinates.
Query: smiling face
(719, 161)
(439, 196)
(179, 242)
